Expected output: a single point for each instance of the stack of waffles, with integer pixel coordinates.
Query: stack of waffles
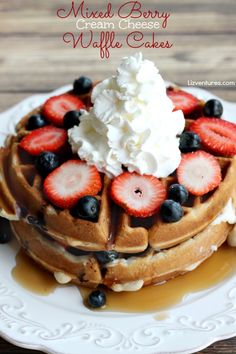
(118, 249)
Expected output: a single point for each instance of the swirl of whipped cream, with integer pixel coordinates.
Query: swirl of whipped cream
(131, 123)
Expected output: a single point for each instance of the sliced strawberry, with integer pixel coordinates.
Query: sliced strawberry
(217, 135)
(139, 195)
(71, 181)
(48, 138)
(199, 172)
(183, 101)
(56, 107)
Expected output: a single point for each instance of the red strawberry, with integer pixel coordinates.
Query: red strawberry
(71, 181)
(48, 138)
(217, 135)
(183, 101)
(139, 195)
(56, 107)
(199, 172)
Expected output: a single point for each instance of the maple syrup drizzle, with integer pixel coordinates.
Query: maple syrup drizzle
(151, 298)
(31, 276)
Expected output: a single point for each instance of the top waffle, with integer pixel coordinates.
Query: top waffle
(22, 196)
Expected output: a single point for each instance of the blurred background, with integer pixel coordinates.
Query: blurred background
(34, 58)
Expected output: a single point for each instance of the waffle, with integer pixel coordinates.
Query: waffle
(124, 273)
(150, 250)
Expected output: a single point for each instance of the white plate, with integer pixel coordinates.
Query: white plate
(59, 323)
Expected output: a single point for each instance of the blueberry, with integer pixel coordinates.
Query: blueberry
(171, 211)
(178, 193)
(213, 108)
(104, 257)
(76, 252)
(71, 119)
(36, 121)
(189, 142)
(5, 237)
(97, 298)
(87, 208)
(82, 85)
(46, 162)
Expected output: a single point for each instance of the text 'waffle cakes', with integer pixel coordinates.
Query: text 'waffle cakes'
(121, 251)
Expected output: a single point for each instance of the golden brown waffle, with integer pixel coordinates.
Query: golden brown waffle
(151, 267)
(198, 214)
(138, 241)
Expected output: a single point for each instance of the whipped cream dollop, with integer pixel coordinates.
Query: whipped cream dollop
(131, 123)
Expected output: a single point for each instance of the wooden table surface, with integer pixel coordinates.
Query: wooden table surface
(34, 59)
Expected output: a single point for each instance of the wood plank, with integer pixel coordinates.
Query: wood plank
(188, 16)
(44, 24)
(50, 63)
(45, 5)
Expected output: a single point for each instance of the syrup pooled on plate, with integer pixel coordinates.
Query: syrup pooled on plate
(160, 297)
(31, 276)
(151, 298)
